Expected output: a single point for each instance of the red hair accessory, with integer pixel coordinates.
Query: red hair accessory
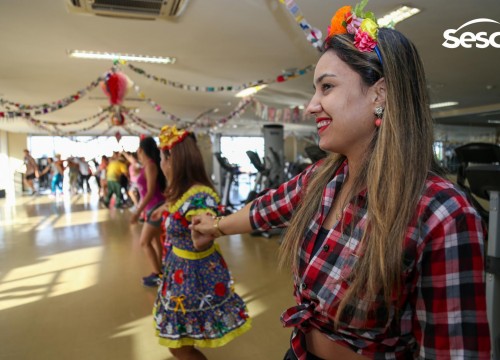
(170, 136)
(363, 25)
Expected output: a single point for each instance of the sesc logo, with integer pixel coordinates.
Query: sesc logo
(480, 40)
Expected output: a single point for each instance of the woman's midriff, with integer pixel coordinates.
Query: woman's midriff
(319, 345)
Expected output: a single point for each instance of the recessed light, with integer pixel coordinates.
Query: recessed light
(250, 91)
(117, 56)
(443, 104)
(396, 16)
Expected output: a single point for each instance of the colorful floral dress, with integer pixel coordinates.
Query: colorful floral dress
(196, 303)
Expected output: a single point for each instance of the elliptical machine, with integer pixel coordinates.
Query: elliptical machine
(484, 182)
(230, 177)
(261, 179)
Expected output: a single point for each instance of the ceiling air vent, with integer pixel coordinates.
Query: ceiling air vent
(136, 9)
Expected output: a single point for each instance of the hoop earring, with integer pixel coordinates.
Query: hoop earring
(379, 112)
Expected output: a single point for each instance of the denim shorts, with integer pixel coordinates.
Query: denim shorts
(155, 223)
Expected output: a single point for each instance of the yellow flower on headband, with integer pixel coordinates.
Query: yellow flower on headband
(369, 26)
(363, 25)
(170, 136)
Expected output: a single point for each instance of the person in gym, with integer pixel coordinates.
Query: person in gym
(31, 172)
(152, 184)
(386, 253)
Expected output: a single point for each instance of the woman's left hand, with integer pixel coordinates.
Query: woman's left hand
(201, 240)
(134, 218)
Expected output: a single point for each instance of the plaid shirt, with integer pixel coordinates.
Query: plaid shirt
(440, 313)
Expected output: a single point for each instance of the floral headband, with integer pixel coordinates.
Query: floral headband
(362, 25)
(170, 136)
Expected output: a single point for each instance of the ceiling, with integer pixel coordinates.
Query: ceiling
(224, 43)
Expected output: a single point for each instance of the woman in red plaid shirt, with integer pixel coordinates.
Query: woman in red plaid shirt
(387, 255)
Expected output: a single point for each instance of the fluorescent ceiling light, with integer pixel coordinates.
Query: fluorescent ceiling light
(396, 16)
(493, 121)
(443, 104)
(250, 91)
(116, 56)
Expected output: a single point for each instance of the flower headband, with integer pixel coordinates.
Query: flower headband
(362, 25)
(170, 136)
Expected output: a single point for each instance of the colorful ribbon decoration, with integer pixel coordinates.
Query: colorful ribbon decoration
(278, 79)
(313, 35)
(72, 138)
(148, 127)
(54, 123)
(142, 123)
(179, 303)
(58, 132)
(155, 105)
(56, 105)
(206, 299)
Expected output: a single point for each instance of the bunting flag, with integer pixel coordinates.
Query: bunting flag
(313, 35)
(287, 75)
(58, 132)
(142, 123)
(240, 108)
(30, 110)
(280, 115)
(130, 131)
(75, 139)
(12, 114)
(155, 105)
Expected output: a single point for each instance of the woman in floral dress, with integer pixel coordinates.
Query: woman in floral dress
(196, 304)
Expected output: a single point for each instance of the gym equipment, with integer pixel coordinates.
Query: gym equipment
(261, 179)
(484, 182)
(315, 153)
(475, 153)
(231, 177)
(274, 145)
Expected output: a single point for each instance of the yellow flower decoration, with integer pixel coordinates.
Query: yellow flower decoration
(369, 26)
(170, 136)
(354, 21)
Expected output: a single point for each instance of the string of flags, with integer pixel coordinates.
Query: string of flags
(115, 85)
(23, 110)
(313, 35)
(287, 75)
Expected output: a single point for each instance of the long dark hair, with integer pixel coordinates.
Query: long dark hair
(396, 166)
(187, 168)
(150, 149)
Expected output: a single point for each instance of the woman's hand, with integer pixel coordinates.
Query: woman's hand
(158, 213)
(134, 218)
(202, 231)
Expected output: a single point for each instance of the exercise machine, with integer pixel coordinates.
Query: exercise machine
(475, 153)
(230, 178)
(261, 179)
(484, 182)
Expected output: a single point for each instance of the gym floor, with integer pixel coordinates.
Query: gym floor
(70, 285)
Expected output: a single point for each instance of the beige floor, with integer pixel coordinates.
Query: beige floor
(70, 286)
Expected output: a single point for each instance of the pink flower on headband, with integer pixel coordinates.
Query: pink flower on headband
(353, 24)
(364, 42)
(363, 25)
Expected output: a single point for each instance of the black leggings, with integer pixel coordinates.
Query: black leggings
(291, 356)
